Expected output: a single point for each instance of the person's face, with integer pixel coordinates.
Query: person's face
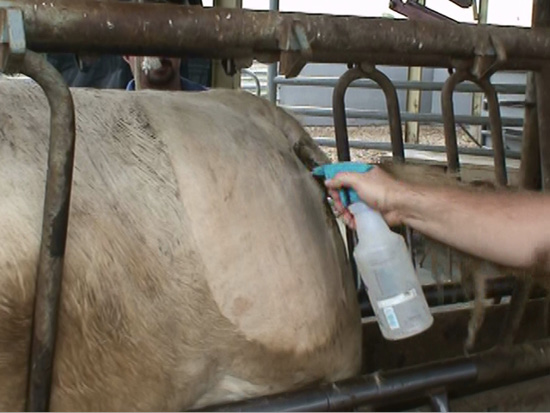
(161, 73)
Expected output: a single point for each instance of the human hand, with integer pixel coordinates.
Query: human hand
(376, 188)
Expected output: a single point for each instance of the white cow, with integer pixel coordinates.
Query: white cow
(202, 266)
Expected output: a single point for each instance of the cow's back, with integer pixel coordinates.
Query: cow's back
(201, 262)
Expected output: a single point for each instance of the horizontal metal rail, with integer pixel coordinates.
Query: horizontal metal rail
(173, 30)
(489, 368)
(386, 146)
(467, 87)
(405, 116)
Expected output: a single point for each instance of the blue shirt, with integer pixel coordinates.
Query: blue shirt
(186, 85)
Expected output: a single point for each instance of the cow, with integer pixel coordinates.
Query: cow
(203, 263)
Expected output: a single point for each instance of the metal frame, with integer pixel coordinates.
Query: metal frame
(293, 39)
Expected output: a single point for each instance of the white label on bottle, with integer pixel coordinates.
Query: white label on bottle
(391, 317)
(397, 299)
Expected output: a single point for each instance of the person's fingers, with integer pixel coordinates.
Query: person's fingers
(392, 218)
(343, 179)
(337, 203)
(348, 219)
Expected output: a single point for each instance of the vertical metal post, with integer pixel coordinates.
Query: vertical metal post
(412, 129)
(272, 68)
(541, 13)
(477, 98)
(530, 168)
(54, 227)
(529, 171)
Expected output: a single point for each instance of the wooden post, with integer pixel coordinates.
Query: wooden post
(412, 129)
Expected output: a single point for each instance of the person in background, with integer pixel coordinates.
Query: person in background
(160, 73)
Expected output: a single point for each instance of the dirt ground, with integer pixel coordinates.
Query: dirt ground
(429, 135)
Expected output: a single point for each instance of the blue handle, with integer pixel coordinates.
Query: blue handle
(329, 171)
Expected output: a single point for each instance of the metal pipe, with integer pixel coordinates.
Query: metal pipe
(255, 78)
(482, 369)
(494, 119)
(340, 126)
(448, 111)
(369, 389)
(342, 147)
(543, 112)
(541, 20)
(497, 140)
(380, 115)
(272, 68)
(386, 146)
(394, 114)
(452, 293)
(54, 227)
(164, 29)
(466, 87)
(529, 172)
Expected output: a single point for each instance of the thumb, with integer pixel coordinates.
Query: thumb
(343, 179)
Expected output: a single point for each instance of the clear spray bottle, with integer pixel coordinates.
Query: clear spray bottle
(384, 264)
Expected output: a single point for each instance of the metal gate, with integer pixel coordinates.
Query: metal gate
(29, 27)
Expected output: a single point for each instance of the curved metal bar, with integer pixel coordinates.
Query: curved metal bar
(341, 128)
(54, 227)
(497, 139)
(339, 112)
(394, 114)
(447, 109)
(342, 146)
(451, 143)
(256, 80)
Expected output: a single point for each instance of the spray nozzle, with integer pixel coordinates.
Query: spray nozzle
(329, 171)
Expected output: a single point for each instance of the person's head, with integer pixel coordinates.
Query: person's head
(161, 73)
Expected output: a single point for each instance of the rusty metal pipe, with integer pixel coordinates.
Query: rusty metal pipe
(342, 146)
(448, 112)
(495, 120)
(105, 27)
(341, 129)
(543, 112)
(54, 227)
(394, 113)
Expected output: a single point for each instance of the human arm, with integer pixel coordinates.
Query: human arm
(511, 229)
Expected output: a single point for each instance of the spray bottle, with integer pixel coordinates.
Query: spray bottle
(384, 264)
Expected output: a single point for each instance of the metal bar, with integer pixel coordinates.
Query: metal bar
(439, 401)
(386, 146)
(370, 389)
(482, 369)
(466, 87)
(255, 78)
(529, 172)
(497, 140)
(452, 293)
(341, 132)
(342, 147)
(54, 227)
(272, 68)
(417, 11)
(379, 115)
(543, 112)
(394, 115)
(164, 29)
(447, 107)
